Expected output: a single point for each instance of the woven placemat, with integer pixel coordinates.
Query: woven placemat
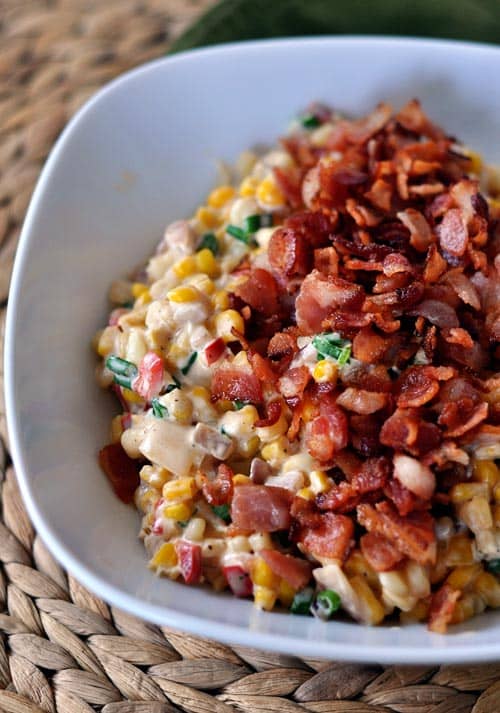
(61, 648)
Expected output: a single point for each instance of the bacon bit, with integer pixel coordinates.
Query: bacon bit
(369, 347)
(260, 508)
(288, 181)
(401, 429)
(435, 265)
(122, 471)
(331, 536)
(326, 261)
(274, 409)
(327, 434)
(438, 313)
(460, 336)
(288, 253)
(414, 476)
(427, 189)
(282, 345)
(412, 535)
(236, 384)
(214, 351)
(412, 118)
(342, 498)
(420, 232)
(260, 291)
(380, 194)
(361, 130)
(416, 388)
(295, 571)
(452, 233)
(442, 608)
(262, 368)
(464, 288)
(380, 554)
(320, 295)
(363, 216)
(372, 475)
(220, 490)
(404, 500)
(395, 263)
(311, 187)
(314, 226)
(361, 401)
(447, 452)
(453, 415)
(293, 382)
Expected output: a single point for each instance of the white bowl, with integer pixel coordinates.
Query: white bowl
(141, 153)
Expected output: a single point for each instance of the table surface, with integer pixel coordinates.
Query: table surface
(61, 648)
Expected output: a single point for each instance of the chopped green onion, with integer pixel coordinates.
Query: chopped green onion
(302, 601)
(238, 405)
(223, 512)
(187, 366)
(332, 346)
(124, 371)
(238, 233)
(326, 603)
(175, 385)
(209, 241)
(252, 223)
(309, 121)
(128, 305)
(159, 410)
(493, 566)
(182, 523)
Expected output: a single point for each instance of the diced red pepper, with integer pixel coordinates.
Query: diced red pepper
(149, 381)
(122, 471)
(214, 350)
(239, 581)
(189, 557)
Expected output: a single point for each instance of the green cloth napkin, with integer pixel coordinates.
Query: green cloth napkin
(232, 20)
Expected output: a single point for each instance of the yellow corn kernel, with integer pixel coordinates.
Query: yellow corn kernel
(184, 293)
(264, 598)
(131, 396)
(106, 341)
(464, 576)
(476, 514)
(116, 428)
(309, 411)
(486, 471)
(181, 511)
(306, 493)
(372, 610)
(143, 299)
(248, 186)
(461, 492)
(270, 433)
(276, 451)
(488, 587)
(179, 489)
(418, 613)
(357, 565)
(145, 498)
(220, 196)
(325, 371)
(263, 575)
(138, 289)
(165, 556)
(249, 447)
(286, 593)
(154, 475)
(220, 300)
(226, 321)
(464, 609)
(319, 481)
(240, 479)
(269, 194)
(207, 217)
(460, 551)
(206, 262)
(185, 267)
(496, 493)
(223, 406)
(203, 283)
(476, 162)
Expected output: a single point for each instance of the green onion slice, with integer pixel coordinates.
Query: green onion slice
(175, 385)
(493, 566)
(124, 372)
(187, 366)
(330, 345)
(326, 604)
(209, 241)
(238, 233)
(238, 405)
(159, 410)
(309, 121)
(223, 512)
(302, 601)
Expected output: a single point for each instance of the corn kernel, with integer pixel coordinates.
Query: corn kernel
(306, 493)
(106, 341)
(249, 446)
(206, 262)
(464, 609)
(131, 396)
(185, 267)
(184, 293)
(459, 551)
(143, 299)
(357, 564)
(203, 283)
(165, 556)
(138, 289)
(154, 476)
(286, 593)
(263, 575)
(195, 529)
(145, 498)
(207, 217)
(240, 479)
(476, 514)
(220, 196)
(461, 492)
(325, 371)
(372, 610)
(319, 481)
(116, 428)
(220, 300)
(226, 321)
(180, 489)
(489, 588)
(276, 451)
(269, 194)
(418, 613)
(464, 576)
(181, 511)
(486, 471)
(264, 598)
(248, 186)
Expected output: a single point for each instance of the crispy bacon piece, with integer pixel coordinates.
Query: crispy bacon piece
(293, 382)
(220, 490)
(260, 508)
(314, 226)
(416, 388)
(295, 571)
(282, 345)
(370, 477)
(461, 416)
(380, 194)
(452, 233)
(361, 401)
(236, 384)
(439, 313)
(289, 253)
(122, 471)
(404, 500)
(380, 554)
(442, 608)
(330, 537)
(328, 432)
(260, 291)
(289, 180)
(435, 265)
(464, 288)
(413, 535)
(326, 261)
(319, 295)
(414, 119)
(262, 368)
(274, 409)
(369, 347)
(420, 232)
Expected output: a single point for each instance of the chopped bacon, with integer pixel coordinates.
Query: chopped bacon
(262, 368)
(294, 381)
(461, 416)
(442, 608)
(361, 401)
(380, 194)
(236, 384)
(414, 475)
(416, 388)
(260, 508)
(326, 261)
(413, 118)
(295, 571)
(404, 500)
(420, 232)
(282, 345)
(288, 181)
(464, 288)
(327, 433)
(121, 470)
(260, 291)
(314, 226)
(369, 347)
(380, 554)
(320, 295)
(330, 537)
(435, 265)
(438, 313)
(452, 233)
(288, 253)
(274, 409)
(220, 490)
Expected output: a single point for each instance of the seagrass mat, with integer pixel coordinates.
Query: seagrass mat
(61, 648)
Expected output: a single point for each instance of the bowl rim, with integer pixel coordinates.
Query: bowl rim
(163, 615)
